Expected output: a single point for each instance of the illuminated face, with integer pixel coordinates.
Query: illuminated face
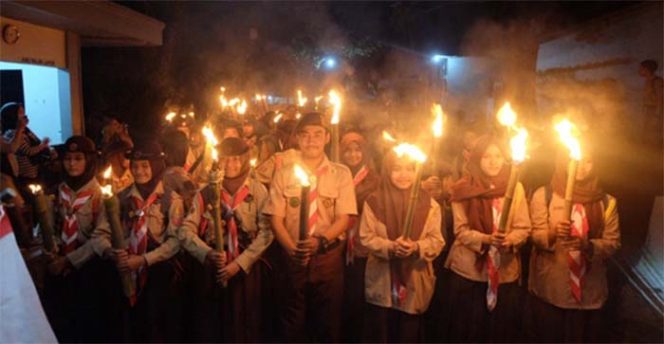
(403, 175)
(352, 156)
(141, 170)
(74, 163)
(312, 140)
(233, 166)
(584, 169)
(492, 161)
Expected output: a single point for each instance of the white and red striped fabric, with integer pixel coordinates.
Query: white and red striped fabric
(138, 238)
(229, 206)
(70, 225)
(21, 313)
(313, 200)
(352, 230)
(493, 258)
(576, 262)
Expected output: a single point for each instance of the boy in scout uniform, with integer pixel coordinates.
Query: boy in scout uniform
(314, 266)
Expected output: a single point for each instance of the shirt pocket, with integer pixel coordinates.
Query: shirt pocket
(327, 199)
(293, 197)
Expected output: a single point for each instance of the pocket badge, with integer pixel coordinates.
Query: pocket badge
(294, 202)
(328, 202)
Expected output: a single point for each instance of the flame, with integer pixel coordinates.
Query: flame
(298, 115)
(253, 162)
(317, 99)
(234, 102)
(107, 190)
(412, 151)
(301, 175)
(518, 145)
(35, 188)
(170, 116)
(223, 89)
(209, 136)
(214, 154)
(335, 100)
(192, 114)
(506, 116)
(437, 125)
(242, 107)
(108, 172)
(301, 100)
(569, 137)
(388, 137)
(277, 118)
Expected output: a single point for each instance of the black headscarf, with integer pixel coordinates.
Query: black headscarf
(151, 151)
(81, 144)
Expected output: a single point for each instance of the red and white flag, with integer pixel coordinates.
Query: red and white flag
(22, 318)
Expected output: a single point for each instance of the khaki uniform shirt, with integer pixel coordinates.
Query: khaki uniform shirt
(468, 246)
(549, 273)
(252, 221)
(420, 286)
(336, 196)
(92, 224)
(162, 222)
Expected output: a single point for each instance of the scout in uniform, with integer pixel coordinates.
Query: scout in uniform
(150, 230)
(355, 155)
(246, 235)
(399, 277)
(72, 295)
(568, 268)
(315, 265)
(484, 261)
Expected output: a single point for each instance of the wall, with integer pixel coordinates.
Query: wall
(37, 45)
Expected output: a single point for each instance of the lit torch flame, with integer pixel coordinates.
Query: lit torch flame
(108, 172)
(437, 125)
(209, 136)
(253, 162)
(223, 101)
(518, 145)
(277, 118)
(242, 107)
(301, 175)
(317, 99)
(107, 190)
(35, 188)
(301, 100)
(298, 115)
(192, 114)
(335, 100)
(568, 135)
(506, 116)
(170, 116)
(411, 151)
(388, 137)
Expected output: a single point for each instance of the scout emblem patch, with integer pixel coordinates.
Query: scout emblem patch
(294, 202)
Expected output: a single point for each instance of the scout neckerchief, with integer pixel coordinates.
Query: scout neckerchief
(313, 199)
(229, 205)
(493, 258)
(71, 206)
(352, 230)
(575, 260)
(138, 239)
(5, 224)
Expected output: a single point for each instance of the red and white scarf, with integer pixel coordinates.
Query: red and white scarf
(493, 258)
(71, 203)
(576, 261)
(138, 238)
(313, 200)
(229, 205)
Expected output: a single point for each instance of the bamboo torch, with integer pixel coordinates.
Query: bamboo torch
(305, 184)
(44, 216)
(335, 100)
(215, 184)
(415, 154)
(569, 137)
(112, 205)
(518, 146)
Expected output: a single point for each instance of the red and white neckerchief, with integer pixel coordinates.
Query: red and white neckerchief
(493, 258)
(576, 261)
(313, 199)
(229, 205)
(138, 238)
(72, 204)
(5, 224)
(352, 221)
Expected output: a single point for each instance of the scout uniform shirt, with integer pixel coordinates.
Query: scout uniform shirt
(162, 222)
(468, 246)
(82, 209)
(336, 196)
(420, 285)
(549, 270)
(197, 232)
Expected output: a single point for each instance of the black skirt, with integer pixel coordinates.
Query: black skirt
(354, 306)
(467, 318)
(387, 325)
(546, 323)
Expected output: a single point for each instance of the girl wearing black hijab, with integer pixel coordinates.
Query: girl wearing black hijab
(150, 221)
(72, 287)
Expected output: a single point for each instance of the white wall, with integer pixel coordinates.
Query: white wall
(47, 100)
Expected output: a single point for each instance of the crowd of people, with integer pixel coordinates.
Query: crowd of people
(334, 267)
